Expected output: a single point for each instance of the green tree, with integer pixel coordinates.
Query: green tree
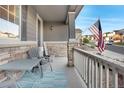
(86, 40)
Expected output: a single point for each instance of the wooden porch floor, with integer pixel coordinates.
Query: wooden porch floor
(73, 78)
(71, 75)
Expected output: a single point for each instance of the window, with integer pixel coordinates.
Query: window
(9, 21)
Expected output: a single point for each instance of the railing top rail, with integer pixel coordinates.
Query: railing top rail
(108, 61)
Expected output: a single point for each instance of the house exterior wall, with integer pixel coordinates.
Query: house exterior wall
(28, 24)
(59, 31)
(31, 24)
(23, 23)
(18, 49)
(56, 38)
(58, 49)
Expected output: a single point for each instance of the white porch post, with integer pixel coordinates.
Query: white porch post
(71, 37)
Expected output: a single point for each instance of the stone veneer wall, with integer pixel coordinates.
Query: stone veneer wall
(12, 53)
(59, 49)
(71, 45)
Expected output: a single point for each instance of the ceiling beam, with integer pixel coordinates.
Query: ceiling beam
(73, 8)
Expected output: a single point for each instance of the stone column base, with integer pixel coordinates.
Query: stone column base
(70, 46)
(70, 64)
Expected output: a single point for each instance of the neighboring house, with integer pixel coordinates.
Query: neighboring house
(108, 36)
(2, 35)
(7, 35)
(90, 37)
(119, 35)
(10, 35)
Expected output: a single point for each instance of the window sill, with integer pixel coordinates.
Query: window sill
(15, 43)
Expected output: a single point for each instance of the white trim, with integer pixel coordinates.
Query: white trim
(7, 44)
(14, 39)
(7, 12)
(39, 18)
(20, 18)
(55, 41)
(72, 40)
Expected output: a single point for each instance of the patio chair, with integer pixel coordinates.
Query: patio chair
(46, 54)
(38, 53)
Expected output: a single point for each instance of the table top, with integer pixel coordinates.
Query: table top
(21, 64)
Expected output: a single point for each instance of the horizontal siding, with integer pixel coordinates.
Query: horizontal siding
(24, 23)
(31, 24)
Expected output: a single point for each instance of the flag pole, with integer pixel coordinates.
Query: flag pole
(98, 52)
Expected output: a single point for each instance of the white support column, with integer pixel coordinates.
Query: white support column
(71, 37)
(71, 25)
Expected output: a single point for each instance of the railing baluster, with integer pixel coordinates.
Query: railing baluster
(95, 73)
(107, 76)
(84, 67)
(115, 73)
(92, 75)
(91, 72)
(88, 71)
(100, 74)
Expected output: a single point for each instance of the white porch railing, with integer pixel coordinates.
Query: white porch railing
(98, 71)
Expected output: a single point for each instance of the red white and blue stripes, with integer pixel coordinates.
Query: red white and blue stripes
(97, 31)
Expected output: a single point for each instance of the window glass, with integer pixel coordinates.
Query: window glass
(9, 21)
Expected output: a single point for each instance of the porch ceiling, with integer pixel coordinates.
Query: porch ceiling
(56, 13)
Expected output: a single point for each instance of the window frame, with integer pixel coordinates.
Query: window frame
(19, 33)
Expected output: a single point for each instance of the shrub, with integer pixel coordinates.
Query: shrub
(92, 46)
(85, 40)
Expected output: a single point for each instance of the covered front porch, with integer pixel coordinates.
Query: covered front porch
(54, 25)
(72, 66)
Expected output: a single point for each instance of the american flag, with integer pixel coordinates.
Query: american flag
(97, 31)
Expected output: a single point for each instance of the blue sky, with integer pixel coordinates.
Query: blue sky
(112, 17)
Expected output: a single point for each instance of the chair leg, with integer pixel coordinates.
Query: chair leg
(50, 64)
(40, 69)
